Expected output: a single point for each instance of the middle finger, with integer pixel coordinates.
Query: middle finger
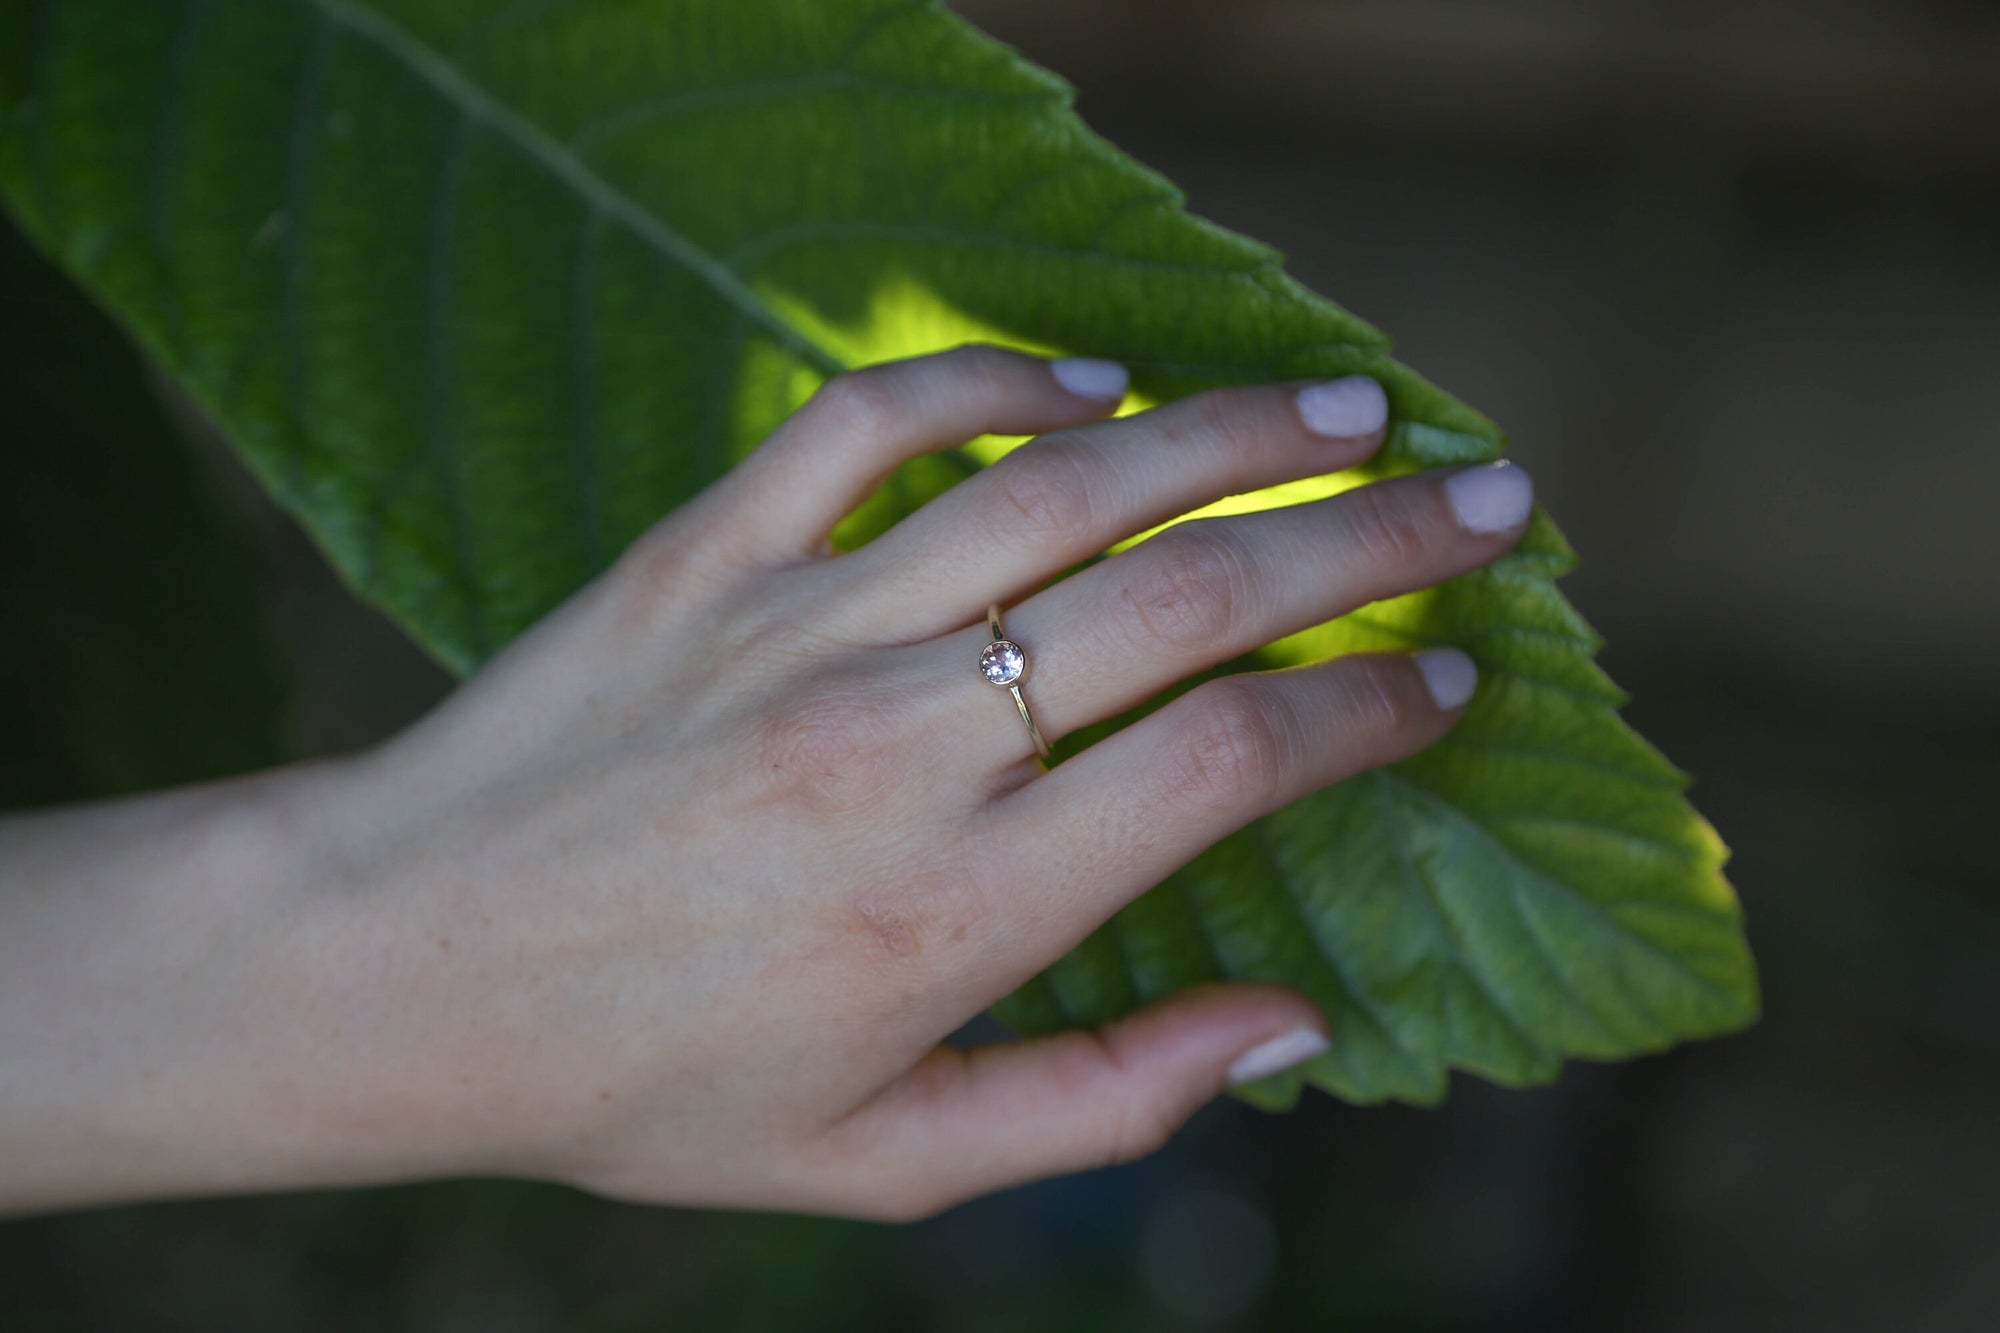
(1066, 496)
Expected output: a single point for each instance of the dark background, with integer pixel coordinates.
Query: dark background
(1728, 272)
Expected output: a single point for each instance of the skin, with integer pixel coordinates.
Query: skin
(676, 899)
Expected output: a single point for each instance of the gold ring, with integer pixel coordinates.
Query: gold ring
(1003, 663)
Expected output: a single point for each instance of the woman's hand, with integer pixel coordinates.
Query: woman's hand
(677, 898)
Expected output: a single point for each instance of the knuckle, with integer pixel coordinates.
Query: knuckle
(864, 400)
(984, 365)
(1192, 584)
(660, 558)
(1386, 525)
(1228, 419)
(674, 560)
(1376, 701)
(1235, 750)
(826, 748)
(1047, 489)
(1132, 1123)
(1140, 1130)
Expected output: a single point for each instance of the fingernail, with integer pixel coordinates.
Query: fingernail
(1088, 377)
(1279, 1053)
(1449, 675)
(1344, 408)
(1490, 499)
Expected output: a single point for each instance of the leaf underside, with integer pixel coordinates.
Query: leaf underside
(481, 290)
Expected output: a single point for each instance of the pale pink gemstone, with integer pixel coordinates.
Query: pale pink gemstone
(1002, 662)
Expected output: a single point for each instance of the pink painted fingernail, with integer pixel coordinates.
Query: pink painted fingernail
(1088, 377)
(1344, 408)
(1491, 499)
(1278, 1054)
(1449, 675)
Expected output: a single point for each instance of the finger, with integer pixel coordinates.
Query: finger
(963, 1123)
(1206, 591)
(1103, 827)
(1065, 497)
(843, 443)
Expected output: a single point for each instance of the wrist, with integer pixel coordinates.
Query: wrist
(178, 1004)
(403, 998)
(358, 1023)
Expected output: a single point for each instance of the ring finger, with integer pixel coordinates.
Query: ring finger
(1209, 590)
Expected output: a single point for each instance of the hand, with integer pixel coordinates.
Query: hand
(677, 898)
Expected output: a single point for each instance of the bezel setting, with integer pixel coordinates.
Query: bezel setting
(1003, 663)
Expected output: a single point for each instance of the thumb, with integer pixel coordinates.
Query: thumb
(961, 1123)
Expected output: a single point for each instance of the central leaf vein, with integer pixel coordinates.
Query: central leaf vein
(1421, 884)
(475, 102)
(1362, 1000)
(1445, 812)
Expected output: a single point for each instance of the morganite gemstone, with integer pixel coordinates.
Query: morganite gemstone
(1002, 662)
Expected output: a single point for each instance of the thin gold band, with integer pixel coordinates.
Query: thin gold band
(1014, 686)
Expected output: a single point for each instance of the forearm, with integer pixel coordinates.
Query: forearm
(170, 998)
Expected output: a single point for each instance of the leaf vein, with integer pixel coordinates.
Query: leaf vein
(439, 451)
(1335, 962)
(1692, 855)
(301, 161)
(751, 94)
(583, 390)
(1202, 930)
(1590, 905)
(1584, 646)
(538, 146)
(1426, 888)
(1149, 197)
(1457, 740)
(41, 56)
(474, 37)
(163, 163)
(708, 436)
(762, 247)
(1121, 942)
(1538, 945)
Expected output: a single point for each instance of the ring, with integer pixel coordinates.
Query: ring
(1003, 663)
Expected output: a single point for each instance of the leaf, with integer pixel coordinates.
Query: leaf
(482, 290)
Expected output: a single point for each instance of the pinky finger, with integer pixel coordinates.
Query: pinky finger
(1105, 826)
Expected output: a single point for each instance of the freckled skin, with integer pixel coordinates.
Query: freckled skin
(891, 931)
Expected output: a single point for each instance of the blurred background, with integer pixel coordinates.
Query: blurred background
(1730, 275)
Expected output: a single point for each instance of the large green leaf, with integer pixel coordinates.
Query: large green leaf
(482, 290)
